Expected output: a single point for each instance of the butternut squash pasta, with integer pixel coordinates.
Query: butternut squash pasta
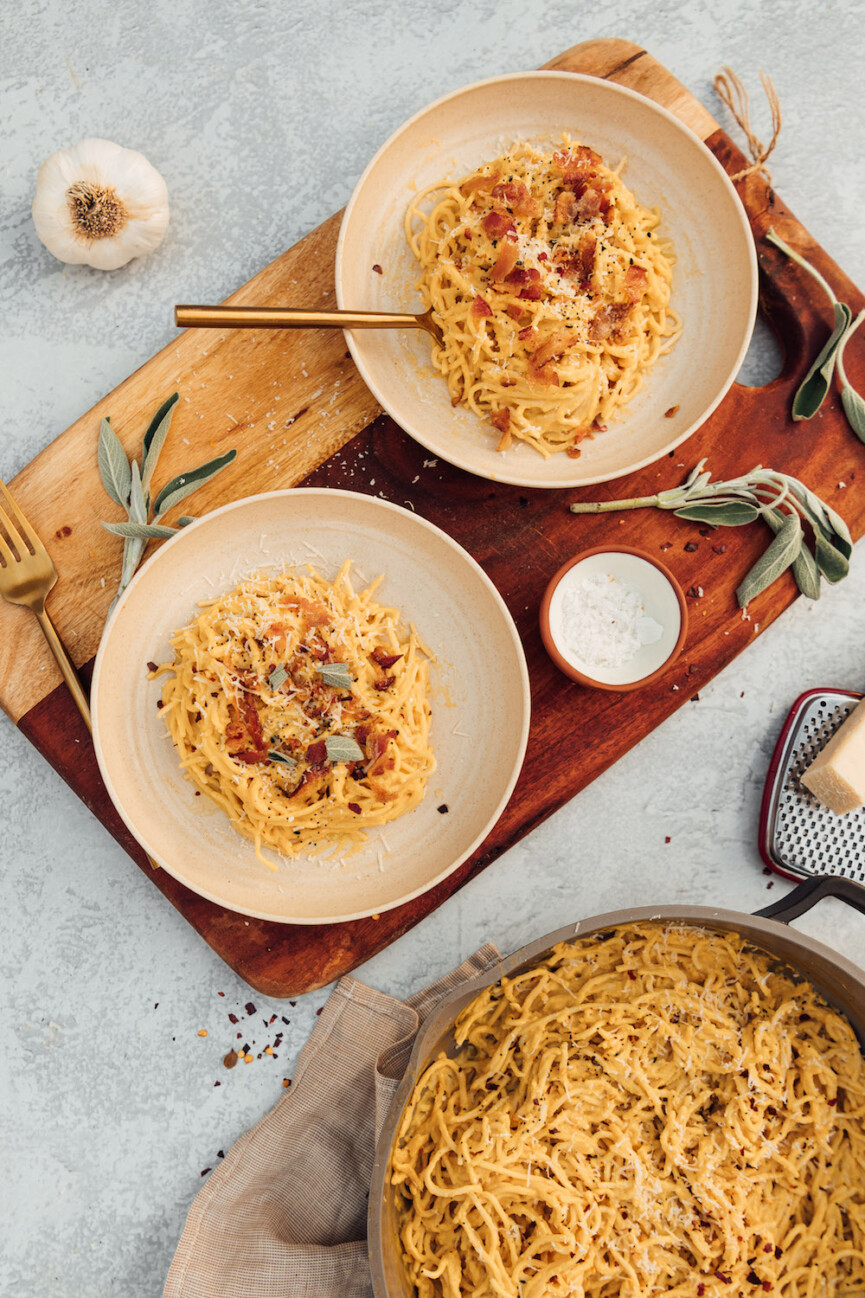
(300, 707)
(654, 1109)
(552, 289)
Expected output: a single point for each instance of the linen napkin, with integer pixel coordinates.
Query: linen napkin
(284, 1214)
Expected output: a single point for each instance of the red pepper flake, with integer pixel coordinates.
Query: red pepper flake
(632, 975)
(355, 807)
(668, 839)
(318, 1011)
(153, 667)
(778, 1250)
(691, 546)
(217, 1083)
(204, 1171)
(272, 1019)
(766, 1286)
(701, 1289)
(378, 270)
(249, 1007)
(159, 705)
(832, 1103)
(220, 993)
(767, 1248)
(668, 414)
(725, 1279)
(232, 1018)
(753, 1278)
(443, 809)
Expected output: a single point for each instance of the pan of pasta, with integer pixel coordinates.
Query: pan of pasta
(587, 260)
(292, 710)
(650, 1101)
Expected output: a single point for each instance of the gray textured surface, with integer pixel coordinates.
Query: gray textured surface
(261, 116)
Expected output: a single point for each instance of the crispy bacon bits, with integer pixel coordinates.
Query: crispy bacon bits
(481, 308)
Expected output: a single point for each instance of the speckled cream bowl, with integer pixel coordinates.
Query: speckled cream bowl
(714, 287)
(479, 730)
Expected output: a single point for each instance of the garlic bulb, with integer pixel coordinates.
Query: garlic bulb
(100, 204)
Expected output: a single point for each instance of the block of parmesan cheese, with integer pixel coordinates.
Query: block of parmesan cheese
(836, 777)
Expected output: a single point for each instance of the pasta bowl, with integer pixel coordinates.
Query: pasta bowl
(478, 733)
(665, 165)
(840, 981)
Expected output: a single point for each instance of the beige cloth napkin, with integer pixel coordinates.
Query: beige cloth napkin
(284, 1214)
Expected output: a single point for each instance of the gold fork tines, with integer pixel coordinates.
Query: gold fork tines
(26, 576)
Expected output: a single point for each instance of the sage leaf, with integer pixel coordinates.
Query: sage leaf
(854, 409)
(812, 391)
(823, 517)
(336, 674)
(185, 483)
(342, 748)
(141, 531)
(154, 438)
(804, 569)
(732, 513)
(780, 555)
(185, 519)
(832, 563)
(137, 501)
(114, 467)
(277, 677)
(282, 759)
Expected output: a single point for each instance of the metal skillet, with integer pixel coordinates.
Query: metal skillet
(840, 981)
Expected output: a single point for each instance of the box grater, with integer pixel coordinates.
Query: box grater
(799, 837)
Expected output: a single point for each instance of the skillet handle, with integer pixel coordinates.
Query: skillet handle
(807, 894)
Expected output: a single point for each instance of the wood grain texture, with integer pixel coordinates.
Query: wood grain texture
(520, 536)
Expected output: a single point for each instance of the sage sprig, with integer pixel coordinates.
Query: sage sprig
(782, 501)
(128, 484)
(815, 386)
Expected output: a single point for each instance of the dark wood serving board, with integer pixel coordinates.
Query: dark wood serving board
(520, 536)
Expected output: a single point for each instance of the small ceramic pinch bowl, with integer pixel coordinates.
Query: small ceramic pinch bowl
(661, 621)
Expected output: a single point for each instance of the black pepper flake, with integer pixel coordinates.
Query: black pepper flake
(752, 1278)
(249, 1007)
(156, 1005)
(778, 1251)
(524, 500)
(443, 809)
(704, 531)
(691, 546)
(284, 1019)
(159, 705)
(204, 1171)
(220, 1153)
(292, 1004)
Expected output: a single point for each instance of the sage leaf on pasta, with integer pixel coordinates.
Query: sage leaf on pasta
(281, 759)
(778, 558)
(336, 674)
(277, 677)
(342, 748)
(113, 465)
(185, 483)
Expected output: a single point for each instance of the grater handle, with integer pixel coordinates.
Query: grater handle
(807, 894)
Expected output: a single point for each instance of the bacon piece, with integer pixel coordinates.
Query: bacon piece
(316, 754)
(383, 658)
(517, 197)
(506, 260)
(514, 311)
(526, 333)
(577, 162)
(636, 283)
(497, 225)
(527, 281)
(566, 207)
(607, 320)
(243, 734)
(480, 308)
(479, 184)
(318, 648)
(383, 682)
(501, 419)
(376, 748)
(551, 349)
(589, 204)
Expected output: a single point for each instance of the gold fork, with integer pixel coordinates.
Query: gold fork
(26, 576)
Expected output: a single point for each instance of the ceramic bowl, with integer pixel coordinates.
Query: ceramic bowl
(666, 165)
(478, 733)
(663, 602)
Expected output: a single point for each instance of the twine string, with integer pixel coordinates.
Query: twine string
(733, 93)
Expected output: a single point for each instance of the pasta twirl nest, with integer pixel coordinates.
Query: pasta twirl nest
(552, 288)
(300, 707)
(654, 1109)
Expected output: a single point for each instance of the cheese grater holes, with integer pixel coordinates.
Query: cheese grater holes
(809, 839)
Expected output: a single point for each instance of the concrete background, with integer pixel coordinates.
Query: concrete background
(261, 116)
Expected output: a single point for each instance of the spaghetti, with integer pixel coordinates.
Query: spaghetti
(652, 1110)
(300, 707)
(552, 290)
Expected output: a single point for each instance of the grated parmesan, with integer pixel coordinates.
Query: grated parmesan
(604, 622)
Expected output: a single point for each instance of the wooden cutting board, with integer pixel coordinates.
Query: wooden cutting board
(296, 408)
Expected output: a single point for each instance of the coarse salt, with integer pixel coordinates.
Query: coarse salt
(604, 622)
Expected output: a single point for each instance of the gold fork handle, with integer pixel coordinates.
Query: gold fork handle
(64, 662)
(55, 644)
(277, 317)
